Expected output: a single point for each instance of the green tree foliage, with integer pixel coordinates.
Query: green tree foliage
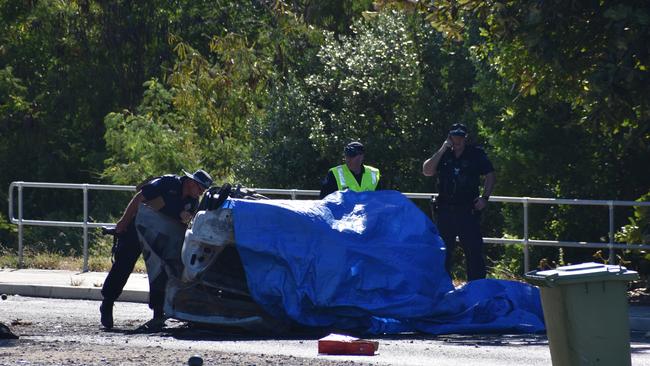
(591, 56)
(14, 111)
(153, 141)
(638, 229)
(199, 115)
(333, 15)
(196, 120)
(283, 155)
(73, 62)
(563, 99)
(65, 65)
(196, 116)
(390, 84)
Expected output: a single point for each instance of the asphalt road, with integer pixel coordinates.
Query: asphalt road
(61, 332)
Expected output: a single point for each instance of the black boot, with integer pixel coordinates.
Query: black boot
(159, 314)
(106, 311)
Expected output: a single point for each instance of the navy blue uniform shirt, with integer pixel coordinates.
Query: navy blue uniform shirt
(170, 188)
(459, 178)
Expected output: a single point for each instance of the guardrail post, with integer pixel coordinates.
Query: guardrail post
(612, 252)
(293, 194)
(85, 225)
(526, 249)
(20, 224)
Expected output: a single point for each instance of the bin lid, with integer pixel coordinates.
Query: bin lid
(583, 272)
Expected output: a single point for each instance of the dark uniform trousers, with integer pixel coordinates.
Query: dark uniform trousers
(126, 255)
(464, 222)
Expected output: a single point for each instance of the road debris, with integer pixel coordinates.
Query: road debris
(339, 344)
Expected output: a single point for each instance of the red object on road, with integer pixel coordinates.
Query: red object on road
(339, 344)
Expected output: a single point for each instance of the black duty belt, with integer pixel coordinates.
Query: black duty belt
(454, 207)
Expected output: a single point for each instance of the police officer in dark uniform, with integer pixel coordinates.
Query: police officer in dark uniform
(459, 167)
(172, 195)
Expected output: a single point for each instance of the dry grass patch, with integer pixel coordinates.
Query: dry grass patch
(61, 262)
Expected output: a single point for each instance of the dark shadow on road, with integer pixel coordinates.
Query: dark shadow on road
(478, 339)
(640, 337)
(9, 342)
(189, 331)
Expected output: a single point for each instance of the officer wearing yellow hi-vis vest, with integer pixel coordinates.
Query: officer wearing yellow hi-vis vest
(352, 175)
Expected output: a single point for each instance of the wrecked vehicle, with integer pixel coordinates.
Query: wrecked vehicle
(200, 267)
(367, 262)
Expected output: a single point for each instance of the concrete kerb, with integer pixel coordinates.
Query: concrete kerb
(69, 292)
(68, 284)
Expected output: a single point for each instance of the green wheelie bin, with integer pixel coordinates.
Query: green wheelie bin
(586, 313)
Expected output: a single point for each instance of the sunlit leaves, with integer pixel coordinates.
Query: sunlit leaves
(388, 84)
(208, 96)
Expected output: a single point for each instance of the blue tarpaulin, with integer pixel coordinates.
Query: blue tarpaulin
(369, 262)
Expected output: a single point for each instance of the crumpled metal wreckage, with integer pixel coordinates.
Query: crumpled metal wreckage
(200, 268)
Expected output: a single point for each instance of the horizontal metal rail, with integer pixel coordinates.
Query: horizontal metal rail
(295, 193)
(507, 199)
(85, 187)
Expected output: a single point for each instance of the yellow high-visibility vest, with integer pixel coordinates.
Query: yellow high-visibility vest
(346, 180)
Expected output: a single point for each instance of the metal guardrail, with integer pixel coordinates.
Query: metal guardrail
(20, 221)
(294, 193)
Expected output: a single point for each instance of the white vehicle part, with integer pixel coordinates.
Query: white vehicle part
(160, 238)
(211, 231)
